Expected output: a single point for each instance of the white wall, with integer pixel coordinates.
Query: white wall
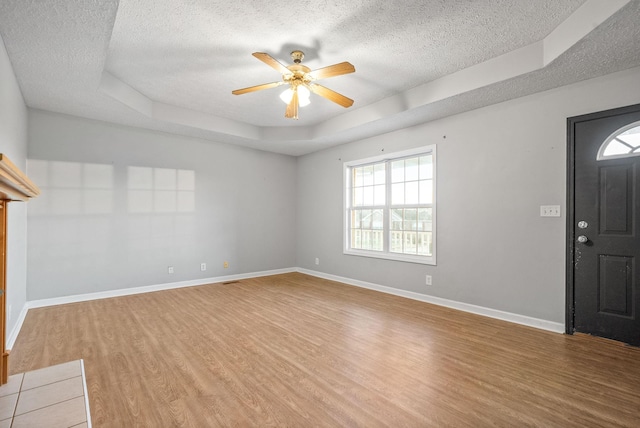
(111, 217)
(496, 166)
(13, 143)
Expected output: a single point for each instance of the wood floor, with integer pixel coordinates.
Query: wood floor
(294, 350)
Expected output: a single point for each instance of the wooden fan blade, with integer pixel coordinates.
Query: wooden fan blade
(331, 95)
(292, 108)
(272, 62)
(332, 71)
(257, 88)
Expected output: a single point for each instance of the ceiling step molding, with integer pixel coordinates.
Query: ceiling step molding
(519, 62)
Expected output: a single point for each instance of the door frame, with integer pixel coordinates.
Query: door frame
(4, 354)
(571, 220)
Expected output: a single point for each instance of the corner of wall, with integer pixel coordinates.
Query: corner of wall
(13, 134)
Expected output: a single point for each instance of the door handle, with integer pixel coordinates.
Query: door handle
(583, 239)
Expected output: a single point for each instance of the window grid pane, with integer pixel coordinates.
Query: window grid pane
(368, 196)
(397, 194)
(367, 231)
(426, 192)
(425, 244)
(407, 198)
(379, 173)
(622, 143)
(397, 171)
(411, 170)
(411, 193)
(411, 231)
(368, 185)
(426, 167)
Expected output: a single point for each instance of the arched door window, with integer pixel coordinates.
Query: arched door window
(623, 143)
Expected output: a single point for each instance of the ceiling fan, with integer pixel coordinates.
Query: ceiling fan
(301, 81)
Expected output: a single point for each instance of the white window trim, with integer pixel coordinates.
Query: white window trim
(411, 258)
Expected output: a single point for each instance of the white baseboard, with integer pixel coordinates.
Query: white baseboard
(555, 327)
(480, 310)
(13, 335)
(150, 288)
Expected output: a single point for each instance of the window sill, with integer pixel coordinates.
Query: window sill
(408, 258)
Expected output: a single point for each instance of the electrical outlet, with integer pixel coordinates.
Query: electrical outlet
(317, 261)
(170, 269)
(203, 267)
(226, 265)
(429, 280)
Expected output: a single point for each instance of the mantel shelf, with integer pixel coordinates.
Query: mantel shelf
(14, 184)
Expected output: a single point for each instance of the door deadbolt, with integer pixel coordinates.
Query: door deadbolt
(583, 224)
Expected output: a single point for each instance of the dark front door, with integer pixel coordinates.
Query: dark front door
(604, 224)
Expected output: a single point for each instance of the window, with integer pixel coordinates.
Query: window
(390, 206)
(623, 143)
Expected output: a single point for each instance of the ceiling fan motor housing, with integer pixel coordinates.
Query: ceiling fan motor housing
(297, 56)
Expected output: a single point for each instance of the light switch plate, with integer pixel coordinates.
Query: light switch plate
(549, 210)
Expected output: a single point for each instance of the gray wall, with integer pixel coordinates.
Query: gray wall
(102, 225)
(120, 205)
(496, 166)
(13, 143)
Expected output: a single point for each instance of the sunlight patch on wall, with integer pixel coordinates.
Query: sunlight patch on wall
(160, 190)
(72, 188)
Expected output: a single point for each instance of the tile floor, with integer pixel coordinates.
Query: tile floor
(51, 397)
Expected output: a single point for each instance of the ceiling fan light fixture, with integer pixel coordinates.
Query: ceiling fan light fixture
(303, 96)
(301, 82)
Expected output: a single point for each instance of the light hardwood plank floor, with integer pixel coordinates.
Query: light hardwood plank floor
(294, 350)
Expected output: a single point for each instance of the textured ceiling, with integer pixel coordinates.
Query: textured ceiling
(171, 65)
